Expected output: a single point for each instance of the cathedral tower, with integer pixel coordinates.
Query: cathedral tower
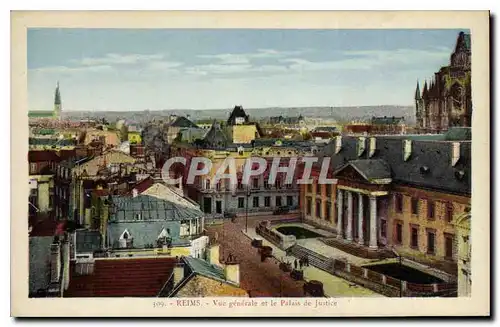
(418, 106)
(57, 103)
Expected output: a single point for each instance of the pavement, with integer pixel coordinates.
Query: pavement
(333, 286)
(265, 279)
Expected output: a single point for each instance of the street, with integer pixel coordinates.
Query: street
(260, 279)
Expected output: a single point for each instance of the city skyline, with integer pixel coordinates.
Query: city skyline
(128, 70)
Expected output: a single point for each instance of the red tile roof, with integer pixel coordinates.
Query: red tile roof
(142, 185)
(43, 156)
(122, 278)
(43, 225)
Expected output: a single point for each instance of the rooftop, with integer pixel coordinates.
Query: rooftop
(122, 278)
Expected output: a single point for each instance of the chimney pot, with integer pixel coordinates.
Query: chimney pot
(232, 272)
(338, 144)
(406, 149)
(455, 153)
(178, 273)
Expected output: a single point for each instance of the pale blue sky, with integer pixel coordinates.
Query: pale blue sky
(119, 69)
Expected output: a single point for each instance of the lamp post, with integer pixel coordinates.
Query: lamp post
(248, 193)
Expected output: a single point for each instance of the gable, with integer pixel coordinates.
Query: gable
(349, 173)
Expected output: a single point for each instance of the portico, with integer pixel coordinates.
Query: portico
(361, 183)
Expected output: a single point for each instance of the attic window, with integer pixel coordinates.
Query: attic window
(424, 170)
(459, 174)
(125, 235)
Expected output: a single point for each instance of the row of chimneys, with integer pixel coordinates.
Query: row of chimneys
(407, 148)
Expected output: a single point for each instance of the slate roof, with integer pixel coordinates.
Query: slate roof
(458, 133)
(434, 155)
(202, 267)
(371, 169)
(285, 120)
(87, 241)
(143, 233)
(151, 208)
(387, 120)
(182, 121)
(39, 262)
(194, 267)
(216, 138)
(284, 143)
(51, 141)
(122, 278)
(237, 112)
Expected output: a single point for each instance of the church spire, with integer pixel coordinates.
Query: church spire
(424, 92)
(57, 97)
(417, 92)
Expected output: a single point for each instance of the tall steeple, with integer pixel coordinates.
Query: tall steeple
(57, 98)
(57, 103)
(424, 92)
(418, 96)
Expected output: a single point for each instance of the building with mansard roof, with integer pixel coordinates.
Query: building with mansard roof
(394, 193)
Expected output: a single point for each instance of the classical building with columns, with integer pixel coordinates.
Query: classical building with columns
(394, 193)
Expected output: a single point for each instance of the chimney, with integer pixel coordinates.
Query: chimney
(361, 146)
(455, 153)
(338, 144)
(214, 254)
(135, 192)
(178, 273)
(232, 271)
(55, 262)
(66, 259)
(406, 149)
(373, 146)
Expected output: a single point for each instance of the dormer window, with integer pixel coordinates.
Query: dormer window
(126, 240)
(424, 170)
(460, 174)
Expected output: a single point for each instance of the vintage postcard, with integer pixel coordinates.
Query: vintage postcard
(250, 164)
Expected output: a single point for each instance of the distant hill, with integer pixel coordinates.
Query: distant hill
(337, 113)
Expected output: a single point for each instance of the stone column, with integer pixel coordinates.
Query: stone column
(340, 210)
(349, 216)
(361, 240)
(373, 222)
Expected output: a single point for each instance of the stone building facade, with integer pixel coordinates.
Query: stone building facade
(394, 193)
(447, 101)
